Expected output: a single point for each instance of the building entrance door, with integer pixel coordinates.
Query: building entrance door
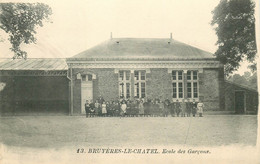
(86, 93)
(240, 102)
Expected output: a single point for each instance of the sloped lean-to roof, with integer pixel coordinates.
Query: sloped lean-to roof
(44, 64)
(148, 48)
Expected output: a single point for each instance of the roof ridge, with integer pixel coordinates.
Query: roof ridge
(134, 47)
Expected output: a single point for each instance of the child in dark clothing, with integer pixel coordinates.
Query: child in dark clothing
(194, 108)
(178, 107)
(188, 107)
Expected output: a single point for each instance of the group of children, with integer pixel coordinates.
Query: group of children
(136, 108)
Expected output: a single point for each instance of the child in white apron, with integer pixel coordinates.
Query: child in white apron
(104, 109)
(200, 107)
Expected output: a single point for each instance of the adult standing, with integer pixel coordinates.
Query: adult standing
(100, 99)
(97, 107)
(194, 108)
(166, 106)
(178, 107)
(161, 108)
(141, 108)
(172, 108)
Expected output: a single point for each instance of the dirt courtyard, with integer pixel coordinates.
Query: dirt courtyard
(61, 131)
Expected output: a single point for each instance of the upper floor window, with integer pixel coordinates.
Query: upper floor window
(192, 84)
(139, 81)
(124, 84)
(86, 77)
(177, 84)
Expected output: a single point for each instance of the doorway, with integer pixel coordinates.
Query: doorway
(86, 92)
(240, 102)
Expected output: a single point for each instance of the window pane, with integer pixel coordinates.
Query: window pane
(127, 74)
(127, 90)
(89, 77)
(189, 94)
(83, 77)
(180, 90)
(195, 95)
(142, 90)
(188, 75)
(142, 75)
(174, 75)
(121, 75)
(121, 90)
(174, 89)
(189, 90)
(137, 90)
(179, 75)
(195, 90)
(136, 75)
(195, 75)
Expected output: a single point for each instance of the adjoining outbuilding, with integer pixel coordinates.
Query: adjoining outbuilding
(33, 86)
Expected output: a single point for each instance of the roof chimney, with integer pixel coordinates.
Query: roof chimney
(111, 36)
(170, 35)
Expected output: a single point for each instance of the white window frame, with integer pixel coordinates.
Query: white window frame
(86, 77)
(125, 82)
(139, 82)
(192, 81)
(177, 81)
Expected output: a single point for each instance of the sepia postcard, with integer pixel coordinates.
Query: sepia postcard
(140, 81)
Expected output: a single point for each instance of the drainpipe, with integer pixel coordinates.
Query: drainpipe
(71, 91)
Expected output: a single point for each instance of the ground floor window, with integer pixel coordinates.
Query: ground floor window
(179, 84)
(177, 89)
(124, 84)
(139, 87)
(192, 84)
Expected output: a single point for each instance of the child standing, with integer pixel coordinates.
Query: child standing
(97, 106)
(178, 107)
(87, 109)
(200, 107)
(183, 108)
(104, 109)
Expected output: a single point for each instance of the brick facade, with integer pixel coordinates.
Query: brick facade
(158, 85)
(105, 84)
(210, 89)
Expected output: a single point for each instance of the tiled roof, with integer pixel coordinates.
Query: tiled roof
(144, 48)
(47, 64)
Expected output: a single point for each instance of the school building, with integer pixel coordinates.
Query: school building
(121, 68)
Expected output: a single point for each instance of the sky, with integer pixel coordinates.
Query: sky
(81, 24)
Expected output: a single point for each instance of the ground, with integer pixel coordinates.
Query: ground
(61, 131)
